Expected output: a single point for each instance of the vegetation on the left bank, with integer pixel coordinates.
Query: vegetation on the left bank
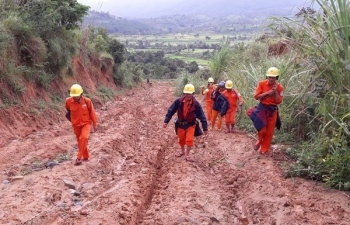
(40, 39)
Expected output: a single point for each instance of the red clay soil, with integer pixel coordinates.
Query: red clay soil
(133, 176)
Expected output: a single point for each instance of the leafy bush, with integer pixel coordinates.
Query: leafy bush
(127, 74)
(117, 50)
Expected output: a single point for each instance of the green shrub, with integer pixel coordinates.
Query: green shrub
(105, 93)
(127, 74)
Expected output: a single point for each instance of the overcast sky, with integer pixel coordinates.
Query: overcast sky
(150, 8)
(110, 5)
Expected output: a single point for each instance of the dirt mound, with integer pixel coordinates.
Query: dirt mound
(133, 176)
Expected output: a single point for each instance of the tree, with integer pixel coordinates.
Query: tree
(117, 50)
(53, 13)
(140, 44)
(193, 67)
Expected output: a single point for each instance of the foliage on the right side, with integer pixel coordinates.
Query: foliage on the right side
(312, 52)
(321, 111)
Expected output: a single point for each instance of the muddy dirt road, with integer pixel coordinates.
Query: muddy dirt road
(133, 176)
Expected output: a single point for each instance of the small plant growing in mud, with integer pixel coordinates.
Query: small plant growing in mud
(35, 161)
(36, 164)
(26, 171)
(63, 157)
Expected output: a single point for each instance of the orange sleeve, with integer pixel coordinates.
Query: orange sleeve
(280, 90)
(258, 90)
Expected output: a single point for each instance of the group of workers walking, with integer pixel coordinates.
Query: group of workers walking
(222, 101)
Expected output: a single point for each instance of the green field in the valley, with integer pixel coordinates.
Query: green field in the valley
(170, 43)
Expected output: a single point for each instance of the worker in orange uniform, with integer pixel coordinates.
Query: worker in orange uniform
(265, 116)
(82, 115)
(188, 110)
(207, 91)
(229, 109)
(218, 102)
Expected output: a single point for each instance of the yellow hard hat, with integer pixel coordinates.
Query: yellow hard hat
(210, 80)
(229, 84)
(189, 89)
(272, 72)
(76, 90)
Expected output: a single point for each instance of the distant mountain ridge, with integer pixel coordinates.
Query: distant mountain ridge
(194, 16)
(176, 23)
(213, 8)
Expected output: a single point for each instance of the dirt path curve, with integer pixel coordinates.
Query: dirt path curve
(133, 176)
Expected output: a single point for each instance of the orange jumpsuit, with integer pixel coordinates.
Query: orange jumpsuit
(208, 101)
(232, 97)
(213, 120)
(265, 135)
(215, 114)
(82, 115)
(186, 136)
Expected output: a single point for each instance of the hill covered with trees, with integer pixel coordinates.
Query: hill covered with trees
(116, 24)
(212, 8)
(177, 23)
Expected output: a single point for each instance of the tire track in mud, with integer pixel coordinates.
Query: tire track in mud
(184, 192)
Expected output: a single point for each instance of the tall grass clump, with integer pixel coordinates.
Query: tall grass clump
(106, 61)
(320, 110)
(221, 61)
(187, 78)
